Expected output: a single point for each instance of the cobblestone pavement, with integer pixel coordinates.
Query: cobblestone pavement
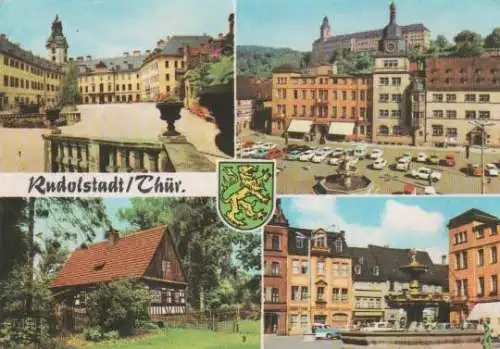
(298, 177)
(21, 150)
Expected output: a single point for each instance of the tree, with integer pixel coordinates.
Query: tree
(118, 306)
(468, 43)
(207, 248)
(222, 71)
(493, 39)
(69, 94)
(441, 43)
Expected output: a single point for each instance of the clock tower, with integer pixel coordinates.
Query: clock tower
(57, 45)
(392, 42)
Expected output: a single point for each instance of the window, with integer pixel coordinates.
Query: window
(484, 115)
(354, 95)
(384, 98)
(376, 270)
(494, 285)
(303, 110)
(437, 113)
(484, 98)
(451, 114)
(384, 81)
(304, 268)
(295, 267)
(275, 242)
(344, 95)
(295, 293)
(383, 113)
(362, 113)
(165, 266)
(304, 321)
(470, 114)
(295, 94)
(470, 98)
(396, 81)
(299, 242)
(338, 245)
(275, 268)
(357, 270)
(437, 97)
(383, 130)
(320, 294)
(493, 255)
(167, 77)
(480, 257)
(451, 98)
(304, 94)
(321, 267)
(294, 110)
(6, 80)
(336, 295)
(451, 132)
(479, 233)
(395, 114)
(396, 98)
(390, 63)
(480, 286)
(294, 321)
(362, 95)
(320, 241)
(437, 130)
(304, 293)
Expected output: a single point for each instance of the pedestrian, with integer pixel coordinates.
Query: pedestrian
(487, 338)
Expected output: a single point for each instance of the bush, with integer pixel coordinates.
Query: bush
(53, 343)
(94, 334)
(118, 306)
(111, 335)
(148, 327)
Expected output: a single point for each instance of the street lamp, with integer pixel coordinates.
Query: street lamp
(481, 125)
(309, 336)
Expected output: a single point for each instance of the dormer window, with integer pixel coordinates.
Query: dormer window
(376, 270)
(320, 241)
(357, 269)
(299, 242)
(165, 266)
(338, 245)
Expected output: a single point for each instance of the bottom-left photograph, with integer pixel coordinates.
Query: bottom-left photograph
(126, 273)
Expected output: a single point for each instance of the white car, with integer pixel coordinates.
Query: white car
(337, 160)
(426, 173)
(337, 152)
(268, 146)
(421, 157)
(307, 155)
(352, 160)
(247, 152)
(406, 156)
(379, 164)
(376, 153)
(326, 149)
(491, 170)
(319, 156)
(403, 164)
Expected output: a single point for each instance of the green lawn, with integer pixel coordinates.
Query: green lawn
(190, 339)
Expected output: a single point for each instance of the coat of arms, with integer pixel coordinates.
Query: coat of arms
(246, 193)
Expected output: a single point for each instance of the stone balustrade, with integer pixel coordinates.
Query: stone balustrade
(76, 154)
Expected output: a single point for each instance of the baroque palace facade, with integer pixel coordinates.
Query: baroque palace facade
(349, 284)
(132, 77)
(436, 102)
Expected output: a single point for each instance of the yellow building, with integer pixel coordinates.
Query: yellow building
(331, 279)
(26, 78)
(110, 80)
(163, 69)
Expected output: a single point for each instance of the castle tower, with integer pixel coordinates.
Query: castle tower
(57, 46)
(325, 29)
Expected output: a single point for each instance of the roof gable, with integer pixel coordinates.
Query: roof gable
(175, 45)
(469, 216)
(104, 261)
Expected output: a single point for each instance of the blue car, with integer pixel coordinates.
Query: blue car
(327, 332)
(260, 154)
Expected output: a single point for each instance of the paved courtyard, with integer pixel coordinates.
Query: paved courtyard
(298, 177)
(21, 150)
(297, 342)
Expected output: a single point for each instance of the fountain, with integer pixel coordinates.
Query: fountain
(414, 300)
(346, 180)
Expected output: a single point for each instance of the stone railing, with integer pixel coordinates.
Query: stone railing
(76, 154)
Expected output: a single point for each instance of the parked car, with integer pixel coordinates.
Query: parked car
(337, 152)
(433, 160)
(248, 152)
(352, 160)
(379, 164)
(403, 164)
(360, 153)
(274, 153)
(260, 154)
(474, 170)
(268, 146)
(426, 173)
(376, 153)
(421, 157)
(327, 332)
(336, 160)
(294, 155)
(319, 156)
(449, 160)
(294, 147)
(307, 155)
(491, 170)
(406, 156)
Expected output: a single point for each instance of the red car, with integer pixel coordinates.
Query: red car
(449, 160)
(274, 153)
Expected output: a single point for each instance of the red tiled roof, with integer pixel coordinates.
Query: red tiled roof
(129, 257)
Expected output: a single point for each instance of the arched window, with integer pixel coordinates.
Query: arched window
(396, 130)
(383, 130)
(357, 269)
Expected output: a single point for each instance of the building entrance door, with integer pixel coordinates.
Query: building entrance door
(270, 323)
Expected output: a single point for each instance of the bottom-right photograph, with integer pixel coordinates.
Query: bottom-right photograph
(382, 272)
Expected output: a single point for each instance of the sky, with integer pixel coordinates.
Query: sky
(295, 24)
(107, 28)
(400, 222)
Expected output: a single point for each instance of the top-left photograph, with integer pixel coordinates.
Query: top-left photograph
(116, 85)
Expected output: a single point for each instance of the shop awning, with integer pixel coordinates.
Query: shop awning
(485, 310)
(341, 128)
(301, 126)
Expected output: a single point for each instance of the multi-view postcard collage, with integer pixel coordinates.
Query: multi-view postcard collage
(249, 174)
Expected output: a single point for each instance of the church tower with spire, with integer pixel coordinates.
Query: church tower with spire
(57, 46)
(325, 29)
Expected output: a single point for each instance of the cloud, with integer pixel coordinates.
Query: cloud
(401, 225)
(411, 218)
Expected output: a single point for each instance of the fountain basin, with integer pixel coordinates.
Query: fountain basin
(333, 184)
(412, 340)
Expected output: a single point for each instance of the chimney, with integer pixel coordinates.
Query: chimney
(443, 259)
(89, 57)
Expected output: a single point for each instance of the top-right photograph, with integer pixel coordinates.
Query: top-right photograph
(370, 97)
